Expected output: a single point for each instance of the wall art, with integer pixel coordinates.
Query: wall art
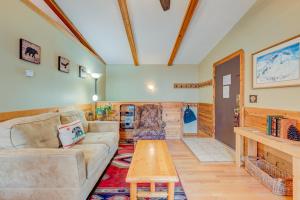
(278, 65)
(30, 52)
(63, 64)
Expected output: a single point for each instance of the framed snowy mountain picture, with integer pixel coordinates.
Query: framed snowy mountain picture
(278, 65)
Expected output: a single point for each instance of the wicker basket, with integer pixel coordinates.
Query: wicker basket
(278, 181)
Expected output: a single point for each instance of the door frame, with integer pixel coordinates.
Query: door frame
(240, 53)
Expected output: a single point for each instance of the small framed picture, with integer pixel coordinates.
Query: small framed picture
(30, 52)
(253, 98)
(82, 72)
(63, 64)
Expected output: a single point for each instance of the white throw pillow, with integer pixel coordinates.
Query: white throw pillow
(70, 134)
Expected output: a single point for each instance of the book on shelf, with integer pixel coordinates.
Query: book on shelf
(269, 119)
(278, 126)
(273, 125)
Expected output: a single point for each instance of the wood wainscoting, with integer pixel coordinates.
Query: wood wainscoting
(87, 108)
(205, 118)
(172, 115)
(257, 118)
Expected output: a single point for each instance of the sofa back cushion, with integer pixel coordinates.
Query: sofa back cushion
(39, 131)
(74, 115)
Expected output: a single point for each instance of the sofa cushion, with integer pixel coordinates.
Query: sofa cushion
(39, 131)
(109, 138)
(73, 115)
(94, 156)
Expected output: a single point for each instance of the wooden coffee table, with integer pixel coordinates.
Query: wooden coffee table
(151, 163)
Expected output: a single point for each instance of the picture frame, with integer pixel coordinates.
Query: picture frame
(63, 64)
(30, 52)
(277, 65)
(82, 72)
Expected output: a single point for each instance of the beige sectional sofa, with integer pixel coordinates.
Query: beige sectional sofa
(33, 166)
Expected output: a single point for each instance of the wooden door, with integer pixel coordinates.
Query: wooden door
(227, 92)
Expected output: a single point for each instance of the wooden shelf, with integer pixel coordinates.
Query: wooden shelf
(287, 146)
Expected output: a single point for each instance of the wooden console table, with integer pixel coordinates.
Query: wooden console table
(255, 136)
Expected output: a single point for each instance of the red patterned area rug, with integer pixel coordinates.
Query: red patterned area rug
(113, 186)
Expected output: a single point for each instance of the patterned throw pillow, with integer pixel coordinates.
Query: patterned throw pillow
(70, 134)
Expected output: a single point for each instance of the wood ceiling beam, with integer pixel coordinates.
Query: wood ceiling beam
(128, 28)
(184, 26)
(61, 15)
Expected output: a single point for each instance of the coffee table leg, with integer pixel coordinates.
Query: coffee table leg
(152, 187)
(171, 191)
(133, 191)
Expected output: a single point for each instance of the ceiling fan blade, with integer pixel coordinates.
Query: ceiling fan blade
(165, 4)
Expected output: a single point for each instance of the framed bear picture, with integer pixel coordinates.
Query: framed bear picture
(30, 52)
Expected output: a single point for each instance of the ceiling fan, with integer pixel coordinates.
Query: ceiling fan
(165, 4)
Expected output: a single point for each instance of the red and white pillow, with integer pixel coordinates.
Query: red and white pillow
(70, 134)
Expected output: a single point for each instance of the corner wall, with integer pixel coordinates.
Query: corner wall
(267, 22)
(49, 87)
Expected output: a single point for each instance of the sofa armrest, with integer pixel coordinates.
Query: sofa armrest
(104, 126)
(42, 168)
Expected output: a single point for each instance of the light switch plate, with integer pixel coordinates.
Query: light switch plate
(29, 73)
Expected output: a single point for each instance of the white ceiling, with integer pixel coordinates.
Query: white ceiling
(155, 31)
(45, 8)
(212, 21)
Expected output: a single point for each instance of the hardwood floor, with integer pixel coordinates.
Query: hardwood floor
(215, 181)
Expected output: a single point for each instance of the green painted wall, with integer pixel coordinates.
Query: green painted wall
(129, 83)
(268, 22)
(48, 87)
